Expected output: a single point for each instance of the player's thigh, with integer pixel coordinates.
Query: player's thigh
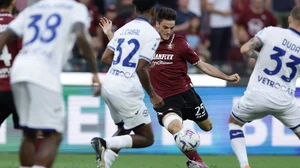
(246, 110)
(22, 102)
(172, 106)
(195, 110)
(109, 101)
(4, 105)
(290, 117)
(46, 111)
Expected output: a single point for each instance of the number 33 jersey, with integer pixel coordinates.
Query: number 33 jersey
(134, 41)
(277, 68)
(9, 53)
(47, 29)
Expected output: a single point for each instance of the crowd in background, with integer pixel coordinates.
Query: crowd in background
(215, 29)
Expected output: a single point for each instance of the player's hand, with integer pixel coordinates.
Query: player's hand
(106, 25)
(96, 85)
(157, 101)
(235, 78)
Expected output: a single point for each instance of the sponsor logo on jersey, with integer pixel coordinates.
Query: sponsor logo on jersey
(4, 72)
(121, 74)
(276, 85)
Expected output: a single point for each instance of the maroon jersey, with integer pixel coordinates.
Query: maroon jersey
(9, 53)
(168, 72)
(253, 23)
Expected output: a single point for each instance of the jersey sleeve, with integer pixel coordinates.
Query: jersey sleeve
(149, 49)
(263, 34)
(187, 53)
(17, 25)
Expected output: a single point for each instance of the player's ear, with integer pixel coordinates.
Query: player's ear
(153, 12)
(290, 19)
(157, 24)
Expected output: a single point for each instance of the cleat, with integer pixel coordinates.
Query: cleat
(194, 164)
(99, 146)
(247, 166)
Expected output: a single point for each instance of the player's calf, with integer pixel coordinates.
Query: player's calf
(27, 148)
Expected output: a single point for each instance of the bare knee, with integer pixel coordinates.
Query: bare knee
(205, 125)
(54, 136)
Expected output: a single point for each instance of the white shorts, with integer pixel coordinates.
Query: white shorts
(131, 113)
(39, 108)
(248, 109)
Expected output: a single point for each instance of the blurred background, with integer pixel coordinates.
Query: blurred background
(215, 29)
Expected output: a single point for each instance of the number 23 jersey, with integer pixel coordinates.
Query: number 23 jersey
(277, 68)
(134, 41)
(47, 28)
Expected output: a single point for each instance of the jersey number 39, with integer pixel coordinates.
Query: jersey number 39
(48, 33)
(292, 65)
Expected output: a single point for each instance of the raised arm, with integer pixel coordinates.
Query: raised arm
(106, 26)
(248, 49)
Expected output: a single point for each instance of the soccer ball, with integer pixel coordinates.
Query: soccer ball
(187, 140)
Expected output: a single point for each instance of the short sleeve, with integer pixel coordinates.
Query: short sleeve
(187, 53)
(149, 49)
(112, 45)
(17, 25)
(262, 35)
(82, 16)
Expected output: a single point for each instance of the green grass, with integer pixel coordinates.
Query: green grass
(159, 161)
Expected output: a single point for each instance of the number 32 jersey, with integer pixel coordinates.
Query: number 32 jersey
(277, 68)
(48, 37)
(135, 40)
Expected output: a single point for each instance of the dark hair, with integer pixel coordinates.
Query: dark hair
(166, 14)
(144, 5)
(295, 13)
(5, 3)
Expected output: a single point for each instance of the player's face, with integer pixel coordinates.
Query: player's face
(165, 28)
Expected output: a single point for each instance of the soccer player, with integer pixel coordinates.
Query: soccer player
(9, 53)
(129, 53)
(49, 33)
(168, 75)
(272, 84)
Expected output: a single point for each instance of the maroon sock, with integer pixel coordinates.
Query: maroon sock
(193, 156)
(38, 142)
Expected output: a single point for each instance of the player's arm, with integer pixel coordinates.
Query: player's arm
(248, 49)
(142, 71)
(107, 56)
(106, 26)
(84, 45)
(214, 72)
(7, 37)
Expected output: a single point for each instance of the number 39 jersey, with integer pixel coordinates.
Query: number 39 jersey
(47, 28)
(277, 67)
(9, 53)
(135, 40)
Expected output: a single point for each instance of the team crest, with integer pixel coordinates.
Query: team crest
(170, 46)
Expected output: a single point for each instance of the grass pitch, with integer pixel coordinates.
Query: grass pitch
(158, 161)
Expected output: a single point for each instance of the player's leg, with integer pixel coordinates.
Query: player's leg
(46, 153)
(47, 115)
(6, 103)
(22, 101)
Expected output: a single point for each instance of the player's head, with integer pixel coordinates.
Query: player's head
(7, 4)
(145, 7)
(165, 23)
(294, 18)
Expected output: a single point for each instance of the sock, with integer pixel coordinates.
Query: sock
(38, 142)
(36, 166)
(191, 155)
(238, 144)
(119, 142)
(109, 157)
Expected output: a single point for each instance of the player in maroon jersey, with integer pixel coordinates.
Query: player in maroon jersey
(8, 55)
(168, 75)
